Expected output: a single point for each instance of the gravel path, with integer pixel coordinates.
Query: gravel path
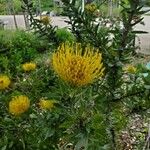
(144, 39)
(9, 21)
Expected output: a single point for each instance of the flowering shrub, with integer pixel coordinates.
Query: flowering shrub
(29, 66)
(46, 104)
(74, 107)
(130, 69)
(83, 96)
(91, 8)
(63, 35)
(4, 82)
(20, 47)
(45, 20)
(19, 105)
(76, 66)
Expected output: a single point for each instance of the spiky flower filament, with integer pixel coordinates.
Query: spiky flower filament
(77, 66)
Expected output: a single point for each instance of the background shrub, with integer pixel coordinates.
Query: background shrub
(63, 35)
(18, 47)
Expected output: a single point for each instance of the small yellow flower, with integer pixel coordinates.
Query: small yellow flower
(29, 66)
(76, 66)
(4, 82)
(46, 104)
(45, 20)
(90, 8)
(19, 104)
(130, 69)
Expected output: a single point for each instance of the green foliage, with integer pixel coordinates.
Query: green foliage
(116, 43)
(46, 4)
(45, 30)
(63, 35)
(4, 4)
(104, 10)
(51, 33)
(17, 47)
(17, 6)
(147, 2)
(2, 7)
(7, 6)
(90, 117)
(6, 37)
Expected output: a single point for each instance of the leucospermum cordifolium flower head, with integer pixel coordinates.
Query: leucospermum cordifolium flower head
(29, 66)
(46, 104)
(90, 7)
(77, 66)
(45, 20)
(130, 69)
(4, 82)
(19, 105)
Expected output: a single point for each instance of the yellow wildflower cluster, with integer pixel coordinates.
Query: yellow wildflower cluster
(76, 66)
(90, 8)
(4, 82)
(46, 104)
(29, 66)
(19, 104)
(130, 69)
(45, 20)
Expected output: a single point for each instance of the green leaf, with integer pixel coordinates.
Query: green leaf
(4, 147)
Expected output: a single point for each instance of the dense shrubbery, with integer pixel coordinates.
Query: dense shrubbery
(17, 47)
(63, 35)
(79, 95)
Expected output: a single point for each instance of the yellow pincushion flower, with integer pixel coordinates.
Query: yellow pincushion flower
(77, 67)
(19, 104)
(130, 69)
(29, 66)
(45, 20)
(90, 8)
(46, 104)
(4, 82)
